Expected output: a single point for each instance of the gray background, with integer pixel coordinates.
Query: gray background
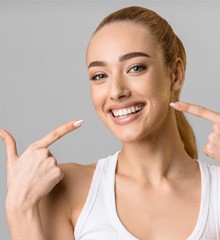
(43, 76)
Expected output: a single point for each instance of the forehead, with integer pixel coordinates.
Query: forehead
(116, 39)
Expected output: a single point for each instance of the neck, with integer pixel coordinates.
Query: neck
(156, 157)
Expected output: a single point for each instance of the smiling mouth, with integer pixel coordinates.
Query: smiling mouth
(124, 112)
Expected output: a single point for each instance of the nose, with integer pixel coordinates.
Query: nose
(119, 89)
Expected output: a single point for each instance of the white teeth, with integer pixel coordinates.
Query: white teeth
(126, 111)
(120, 112)
(133, 109)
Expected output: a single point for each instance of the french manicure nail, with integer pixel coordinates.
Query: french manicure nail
(78, 123)
(175, 105)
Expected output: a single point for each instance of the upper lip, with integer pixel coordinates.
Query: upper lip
(124, 105)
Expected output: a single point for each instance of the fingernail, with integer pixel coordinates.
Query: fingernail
(175, 105)
(78, 123)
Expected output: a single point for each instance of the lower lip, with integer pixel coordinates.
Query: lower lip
(126, 120)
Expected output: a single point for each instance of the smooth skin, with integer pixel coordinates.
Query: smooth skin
(164, 180)
(26, 213)
(23, 215)
(45, 199)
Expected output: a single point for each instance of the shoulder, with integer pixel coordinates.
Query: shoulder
(69, 195)
(77, 181)
(75, 171)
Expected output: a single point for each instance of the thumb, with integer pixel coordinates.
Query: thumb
(10, 145)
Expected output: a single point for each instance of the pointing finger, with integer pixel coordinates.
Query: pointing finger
(10, 145)
(56, 134)
(196, 110)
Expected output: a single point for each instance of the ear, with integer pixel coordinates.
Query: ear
(177, 74)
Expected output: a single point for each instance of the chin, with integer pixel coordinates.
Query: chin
(128, 135)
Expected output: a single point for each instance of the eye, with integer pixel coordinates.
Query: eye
(99, 76)
(137, 68)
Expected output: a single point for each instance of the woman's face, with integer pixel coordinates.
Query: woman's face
(130, 84)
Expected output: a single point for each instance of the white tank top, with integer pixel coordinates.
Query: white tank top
(98, 219)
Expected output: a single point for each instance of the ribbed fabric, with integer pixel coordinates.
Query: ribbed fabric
(98, 219)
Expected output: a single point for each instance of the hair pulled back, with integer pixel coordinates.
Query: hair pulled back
(171, 47)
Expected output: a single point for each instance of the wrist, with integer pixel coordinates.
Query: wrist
(20, 207)
(24, 221)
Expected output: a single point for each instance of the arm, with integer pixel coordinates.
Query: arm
(24, 223)
(56, 209)
(50, 219)
(31, 179)
(60, 210)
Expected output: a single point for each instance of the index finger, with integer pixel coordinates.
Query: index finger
(57, 134)
(198, 111)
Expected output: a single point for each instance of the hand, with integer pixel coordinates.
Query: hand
(35, 173)
(212, 148)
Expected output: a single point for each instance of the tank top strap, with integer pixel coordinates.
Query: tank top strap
(204, 203)
(215, 197)
(103, 165)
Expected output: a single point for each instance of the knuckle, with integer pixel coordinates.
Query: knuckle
(9, 142)
(52, 161)
(55, 135)
(211, 137)
(32, 146)
(58, 172)
(201, 110)
(208, 150)
(45, 152)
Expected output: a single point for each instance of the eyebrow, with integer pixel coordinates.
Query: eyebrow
(122, 58)
(133, 55)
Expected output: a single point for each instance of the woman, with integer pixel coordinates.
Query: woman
(154, 188)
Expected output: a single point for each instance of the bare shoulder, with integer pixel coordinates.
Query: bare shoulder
(77, 181)
(75, 173)
(62, 206)
(77, 178)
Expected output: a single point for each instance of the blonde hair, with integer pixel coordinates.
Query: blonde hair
(172, 48)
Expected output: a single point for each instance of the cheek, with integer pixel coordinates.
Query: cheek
(162, 92)
(153, 87)
(161, 85)
(98, 96)
(160, 100)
